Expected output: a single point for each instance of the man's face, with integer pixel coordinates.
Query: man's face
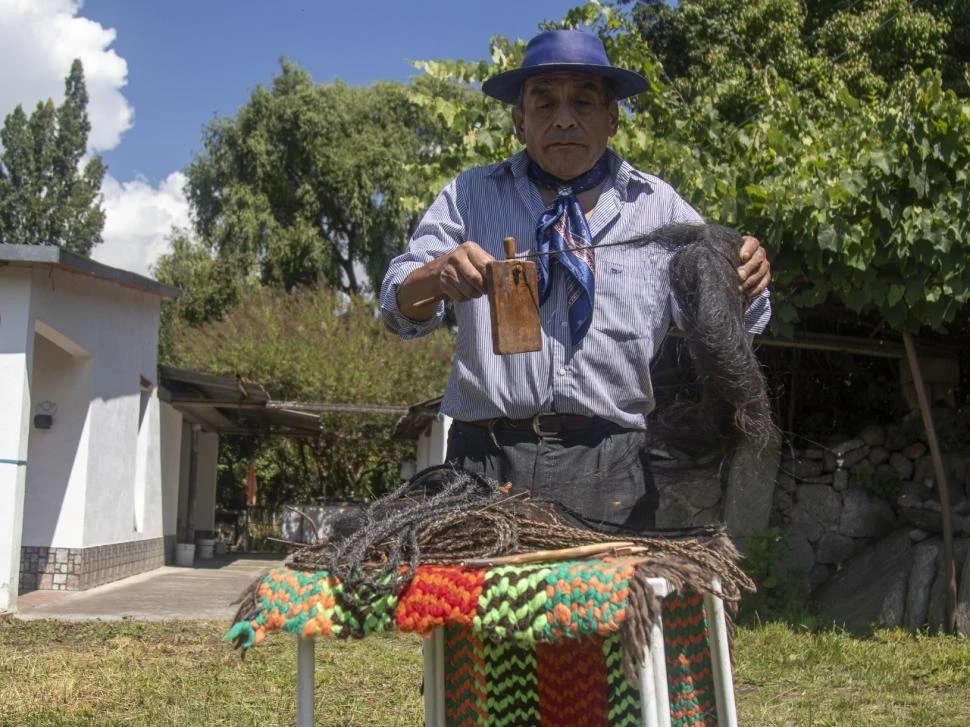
(565, 121)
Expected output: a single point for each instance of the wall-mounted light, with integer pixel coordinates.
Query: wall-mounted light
(44, 416)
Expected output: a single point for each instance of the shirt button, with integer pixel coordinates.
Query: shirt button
(564, 324)
(562, 370)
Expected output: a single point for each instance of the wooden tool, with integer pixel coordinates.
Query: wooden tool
(513, 300)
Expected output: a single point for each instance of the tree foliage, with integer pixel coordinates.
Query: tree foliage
(832, 134)
(308, 183)
(320, 345)
(46, 196)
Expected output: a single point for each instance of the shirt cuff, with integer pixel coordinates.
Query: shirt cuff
(758, 313)
(407, 328)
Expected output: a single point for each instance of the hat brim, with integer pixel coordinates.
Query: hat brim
(505, 86)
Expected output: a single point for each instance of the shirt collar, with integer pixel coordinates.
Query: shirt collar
(623, 172)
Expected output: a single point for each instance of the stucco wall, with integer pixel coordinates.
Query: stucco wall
(16, 354)
(205, 500)
(118, 327)
(170, 427)
(57, 476)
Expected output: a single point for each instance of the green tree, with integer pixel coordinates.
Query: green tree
(324, 346)
(46, 196)
(853, 173)
(309, 183)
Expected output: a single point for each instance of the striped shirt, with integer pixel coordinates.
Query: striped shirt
(608, 373)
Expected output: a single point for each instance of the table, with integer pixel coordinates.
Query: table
(303, 603)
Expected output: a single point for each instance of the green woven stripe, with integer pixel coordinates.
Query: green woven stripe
(584, 591)
(689, 676)
(464, 679)
(623, 699)
(511, 684)
(512, 604)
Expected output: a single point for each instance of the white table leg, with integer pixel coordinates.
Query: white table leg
(657, 658)
(304, 682)
(434, 679)
(727, 715)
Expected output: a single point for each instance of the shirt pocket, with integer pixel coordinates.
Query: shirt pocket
(632, 298)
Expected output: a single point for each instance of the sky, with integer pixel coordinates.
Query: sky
(157, 71)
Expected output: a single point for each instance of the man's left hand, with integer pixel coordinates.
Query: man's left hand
(755, 270)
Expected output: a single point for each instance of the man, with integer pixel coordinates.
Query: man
(567, 422)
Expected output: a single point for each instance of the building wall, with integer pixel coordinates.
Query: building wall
(170, 461)
(94, 502)
(432, 444)
(205, 500)
(57, 476)
(207, 461)
(16, 358)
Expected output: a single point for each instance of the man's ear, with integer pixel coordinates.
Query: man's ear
(518, 121)
(614, 117)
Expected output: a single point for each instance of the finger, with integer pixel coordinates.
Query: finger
(748, 247)
(762, 278)
(462, 281)
(752, 266)
(478, 258)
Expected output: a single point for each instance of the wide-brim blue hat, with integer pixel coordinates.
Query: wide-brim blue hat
(564, 50)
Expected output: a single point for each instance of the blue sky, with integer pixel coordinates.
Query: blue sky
(189, 61)
(158, 70)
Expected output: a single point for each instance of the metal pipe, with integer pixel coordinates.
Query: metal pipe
(305, 681)
(949, 570)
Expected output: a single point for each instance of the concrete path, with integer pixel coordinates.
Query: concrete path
(204, 592)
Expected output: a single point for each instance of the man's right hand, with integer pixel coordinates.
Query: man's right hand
(459, 275)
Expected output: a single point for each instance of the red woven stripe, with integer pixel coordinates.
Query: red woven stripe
(439, 594)
(572, 683)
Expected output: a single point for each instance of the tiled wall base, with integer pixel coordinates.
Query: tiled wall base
(76, 569)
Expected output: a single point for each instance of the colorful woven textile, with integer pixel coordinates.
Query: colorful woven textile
(577, 682)
(524, 645)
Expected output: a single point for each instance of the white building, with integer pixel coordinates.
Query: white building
(98, 462)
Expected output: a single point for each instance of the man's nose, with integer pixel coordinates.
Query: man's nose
(564, 118)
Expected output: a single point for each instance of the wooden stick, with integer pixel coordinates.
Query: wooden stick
(580, 551)
(426, 301)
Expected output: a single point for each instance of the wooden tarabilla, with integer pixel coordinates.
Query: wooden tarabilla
(512, 286)
(513, 300)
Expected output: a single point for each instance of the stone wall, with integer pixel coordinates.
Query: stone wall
(834, 500)
(862, 520)
(77, 569)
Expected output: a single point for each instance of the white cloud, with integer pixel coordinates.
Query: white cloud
(138, 221)
(38, 41)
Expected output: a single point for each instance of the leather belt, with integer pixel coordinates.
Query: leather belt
(545, 424)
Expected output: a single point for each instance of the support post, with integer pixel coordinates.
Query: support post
(949, 570)
(304, 681)
(434, 678)
(727, 715)
(654, 692)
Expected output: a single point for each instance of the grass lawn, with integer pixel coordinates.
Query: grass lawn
(159, 674)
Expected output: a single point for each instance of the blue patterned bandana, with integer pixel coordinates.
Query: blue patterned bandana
(562, 230)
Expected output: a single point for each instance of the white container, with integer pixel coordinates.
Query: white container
(206, 548)
(185, 554)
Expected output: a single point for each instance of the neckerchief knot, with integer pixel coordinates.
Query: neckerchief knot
(562, 230)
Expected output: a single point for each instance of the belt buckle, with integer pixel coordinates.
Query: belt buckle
(537, 425)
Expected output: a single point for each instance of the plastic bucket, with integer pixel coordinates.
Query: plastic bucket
(206, 548)
(185, 554)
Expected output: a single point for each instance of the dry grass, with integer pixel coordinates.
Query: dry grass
(135, 673)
